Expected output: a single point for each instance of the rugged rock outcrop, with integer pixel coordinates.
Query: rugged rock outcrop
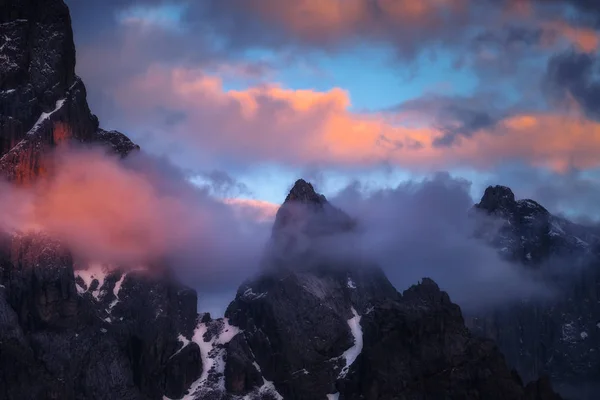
(58, 341)
(343, 331)
(558, 337)
(42, 101)
(93, 333)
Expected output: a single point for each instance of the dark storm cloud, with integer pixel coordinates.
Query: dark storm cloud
(575, 75)
(308, 24)
(470, 121)
(458, 116)
(509, 36)
(224, 185)
(588, 10)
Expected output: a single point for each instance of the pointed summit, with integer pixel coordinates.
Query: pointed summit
(304, 192)
(308, 213)
(497, 198)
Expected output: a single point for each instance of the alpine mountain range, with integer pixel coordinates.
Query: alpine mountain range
(303, 328)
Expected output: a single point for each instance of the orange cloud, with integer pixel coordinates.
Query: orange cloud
(306, 127)
(584, 39)
(110, 213)
(257, 209)
(316, 19)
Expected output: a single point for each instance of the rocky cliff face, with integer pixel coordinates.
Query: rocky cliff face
(560, 336)
(74, 332)
(320, 331)
(42, 101)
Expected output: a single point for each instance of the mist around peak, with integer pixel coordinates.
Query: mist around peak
(145, 211)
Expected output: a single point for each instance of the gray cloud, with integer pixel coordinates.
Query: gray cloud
(575, 75)
(469, 122)
(224, 185)
(421, 228)
(459, 116)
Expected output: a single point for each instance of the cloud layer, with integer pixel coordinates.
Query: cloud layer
(144, 213)
(139, 213)
(169, 82)
(270, 123)
(422, 229)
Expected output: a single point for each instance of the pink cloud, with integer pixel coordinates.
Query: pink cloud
(259, 210)
(582, 38)
(314, 19)
(305, 127)
(128, 214)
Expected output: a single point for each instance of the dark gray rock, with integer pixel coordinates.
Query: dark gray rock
(42, 102)
(304, 323)
(558, 337)
(419, 348)
(241, 375)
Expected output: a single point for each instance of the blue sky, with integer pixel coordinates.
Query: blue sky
(493, 88)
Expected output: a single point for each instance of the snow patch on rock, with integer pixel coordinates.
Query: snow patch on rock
(212, 353)
(250, 295)
(116, 291)
(44, 116)
(350, 284)
(267, 388)
(94, 271)
(184, 342)
(353, 352)
(568, 332)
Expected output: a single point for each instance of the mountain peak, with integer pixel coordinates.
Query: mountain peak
(497, 198)
(304, 192)
(306, 215)
(43, 102)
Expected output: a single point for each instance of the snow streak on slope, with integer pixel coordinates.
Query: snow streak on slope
(353, 352)
(93, 272)
(44, 116)
(211, 337)
(266, 390)
(350, 284)
(116, 291)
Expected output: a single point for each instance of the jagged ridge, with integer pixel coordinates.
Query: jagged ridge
(554, 337)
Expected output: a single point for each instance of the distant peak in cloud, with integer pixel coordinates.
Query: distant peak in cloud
(304, 192)
(497, 197)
